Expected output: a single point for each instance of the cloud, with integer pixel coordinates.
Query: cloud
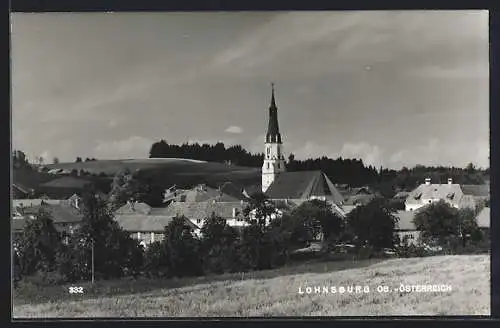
(234, 129)
(311, 150)
(133, 147)
(370, 154)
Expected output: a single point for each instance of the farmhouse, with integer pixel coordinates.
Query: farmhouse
(429, 192)
(66, 214)
(145, 223)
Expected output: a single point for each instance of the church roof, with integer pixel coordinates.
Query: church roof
(303, 185)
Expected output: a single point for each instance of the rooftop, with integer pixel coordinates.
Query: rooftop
(303, 185)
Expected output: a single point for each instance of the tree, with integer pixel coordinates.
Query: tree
(127, 186)
(372, 225)
(39, 245)
(437, 222)
(115, 253)
(468, 228)
(259, 209)
(314, 217)
(181, 249)
(261, 245)
(55, 160)
(78, 159)
(217, 245)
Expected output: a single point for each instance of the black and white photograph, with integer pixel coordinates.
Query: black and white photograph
(250, 164)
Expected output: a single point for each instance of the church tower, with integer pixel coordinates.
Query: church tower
(274, 160)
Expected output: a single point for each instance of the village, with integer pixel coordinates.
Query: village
(250, 164)
(286, 190)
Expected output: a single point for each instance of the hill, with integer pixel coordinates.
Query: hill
(276, 293)
(169, 171)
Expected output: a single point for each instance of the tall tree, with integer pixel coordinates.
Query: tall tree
(372, 225)
(39, 245)
(437, 222)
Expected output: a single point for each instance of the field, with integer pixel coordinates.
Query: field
(276, 292)
(170, 170)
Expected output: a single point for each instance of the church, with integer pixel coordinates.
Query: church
(278, 184)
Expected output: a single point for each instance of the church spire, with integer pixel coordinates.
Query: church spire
(273, 133)
(273, 101)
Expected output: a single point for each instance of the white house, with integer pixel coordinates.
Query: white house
(428, 193)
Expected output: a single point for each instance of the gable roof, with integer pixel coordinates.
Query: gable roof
(303, 185)
(201, 210)
(361, 199)
(148, 223)
(448, 192)
(67, 182)
(401, 195)
(203, 193)
(61, 212)
(476, 190)
(484, 218)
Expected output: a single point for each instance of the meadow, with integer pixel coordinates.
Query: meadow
(276, 292)
(168, 171)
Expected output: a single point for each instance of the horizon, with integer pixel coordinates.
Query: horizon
(109, 85)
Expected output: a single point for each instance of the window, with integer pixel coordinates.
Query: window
(278, 165)
(268, 165)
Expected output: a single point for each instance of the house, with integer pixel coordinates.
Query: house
(66, 215)
(203, 193)
(405, 228)
(429, 192)
(147, 228)
(198, 212)
(483, 220)
(64, 187)
(145, 223)
(480, 193)
(359, 199)
(401, 195)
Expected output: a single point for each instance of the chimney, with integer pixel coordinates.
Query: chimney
(427, 181)
(450, 180)
(77, 202)
(234, 212)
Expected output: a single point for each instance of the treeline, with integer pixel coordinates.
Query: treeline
(343, 171)
(205, 152)
(352, 172)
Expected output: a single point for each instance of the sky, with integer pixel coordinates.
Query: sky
(393, 88)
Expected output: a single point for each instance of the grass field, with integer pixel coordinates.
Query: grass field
(275, 292)
(170, 171)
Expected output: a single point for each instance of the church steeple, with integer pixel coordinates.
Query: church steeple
(274, 160)
(273, 132)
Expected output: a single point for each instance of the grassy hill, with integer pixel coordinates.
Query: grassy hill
(275, 292)
(168, 171)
